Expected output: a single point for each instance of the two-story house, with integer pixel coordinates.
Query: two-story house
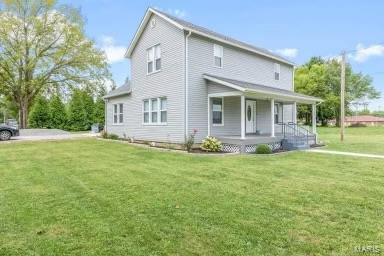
(185, 77)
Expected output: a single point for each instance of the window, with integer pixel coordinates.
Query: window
(277, 71)
(118, 116)
(153, 59)
(217, 111)
(146, 111)
(218, 55)
(163, 110)
(278, 117)
(155, 111)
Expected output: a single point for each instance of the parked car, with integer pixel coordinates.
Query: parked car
(6, 132)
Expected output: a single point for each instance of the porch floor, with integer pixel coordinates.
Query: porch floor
(250, 139)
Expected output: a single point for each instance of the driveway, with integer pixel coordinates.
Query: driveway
(49, 134)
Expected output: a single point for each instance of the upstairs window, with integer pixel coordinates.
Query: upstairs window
(218, 55)
(118, 115)
(277, 71)
(217, 111)
(153, 59)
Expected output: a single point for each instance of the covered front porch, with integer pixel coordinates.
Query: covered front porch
(244, 115)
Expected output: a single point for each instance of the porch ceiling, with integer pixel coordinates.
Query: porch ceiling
(251, 89)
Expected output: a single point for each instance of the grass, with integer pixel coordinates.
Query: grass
(93, 197)
(358, 139)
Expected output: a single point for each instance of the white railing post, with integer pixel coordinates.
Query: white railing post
(294, 113)
(272, 118)
(242, 117)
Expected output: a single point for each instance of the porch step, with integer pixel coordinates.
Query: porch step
(294, 144)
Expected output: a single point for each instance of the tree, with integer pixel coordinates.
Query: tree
(99, 108)
(39, 117)
(43, 48)
(80, 110)
(321, 78)
(58, 113)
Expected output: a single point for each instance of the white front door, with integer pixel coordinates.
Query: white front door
(250, 116)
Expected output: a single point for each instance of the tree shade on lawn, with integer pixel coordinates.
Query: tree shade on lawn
(92, 197)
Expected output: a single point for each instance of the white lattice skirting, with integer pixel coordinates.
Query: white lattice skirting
(234, 148)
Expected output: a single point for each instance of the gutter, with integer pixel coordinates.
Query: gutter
(186, 77)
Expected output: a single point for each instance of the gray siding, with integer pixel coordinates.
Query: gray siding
(169, 82)
(217, 88)
(237, 64)
(232, 118)
(118, 129)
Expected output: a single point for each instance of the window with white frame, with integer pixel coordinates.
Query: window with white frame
(154, 59)
(277, 71)
(155, 111)
(118, 116)
(217, 111)
(218, 55)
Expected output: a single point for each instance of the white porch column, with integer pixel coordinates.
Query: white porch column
(242, 109)
(314, 119)
(294, 112)
(272, 117)
(209, 116)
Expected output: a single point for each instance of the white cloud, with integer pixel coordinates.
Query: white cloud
(175, 12)
(178, 13)
(115, 53)
(287, 52)
(364, 53)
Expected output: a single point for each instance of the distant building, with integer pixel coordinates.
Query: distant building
(364, 120)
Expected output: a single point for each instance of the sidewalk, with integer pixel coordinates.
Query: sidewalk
(344, 153)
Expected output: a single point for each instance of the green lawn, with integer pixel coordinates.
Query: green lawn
(93, 197)
(359, 139)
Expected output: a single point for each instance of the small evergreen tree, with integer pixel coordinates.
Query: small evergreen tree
(80, 110)
(99, 109)
(39, 116)
(58, 113)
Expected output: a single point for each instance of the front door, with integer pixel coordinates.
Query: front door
(250, 116)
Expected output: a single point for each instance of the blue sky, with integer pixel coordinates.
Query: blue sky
(296, 29)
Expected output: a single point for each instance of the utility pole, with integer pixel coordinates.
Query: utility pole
(342, 96)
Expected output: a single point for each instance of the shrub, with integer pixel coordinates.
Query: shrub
(39, 116)
(190, 141)
(358, 125)
(112, 136)
(263, 149)
(211, 144)
(104, 135)
(58, 114)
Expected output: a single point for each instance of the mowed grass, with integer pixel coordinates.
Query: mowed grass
(357, 139)
(94, 197)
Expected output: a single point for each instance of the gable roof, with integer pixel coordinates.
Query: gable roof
(258, 88)
(185, 25)
(125, 89)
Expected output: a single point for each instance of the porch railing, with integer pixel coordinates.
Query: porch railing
(295, 132)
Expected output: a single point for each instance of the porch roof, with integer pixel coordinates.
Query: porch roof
(272, 92)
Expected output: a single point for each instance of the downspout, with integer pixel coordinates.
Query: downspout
(186, 77)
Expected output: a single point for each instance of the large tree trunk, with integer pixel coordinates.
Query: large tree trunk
(23, 116)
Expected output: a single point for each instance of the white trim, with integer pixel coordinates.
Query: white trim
(314, 119)
(239, 88)
(221, 57)
(225, 94)
(147, 15)
(242, 116)
(158, 111)
(154, 70)
(222, 111)
(186, 95)
(272, 117)
(119, 111)
(233, 86)
(294, 112)
(209, 116)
